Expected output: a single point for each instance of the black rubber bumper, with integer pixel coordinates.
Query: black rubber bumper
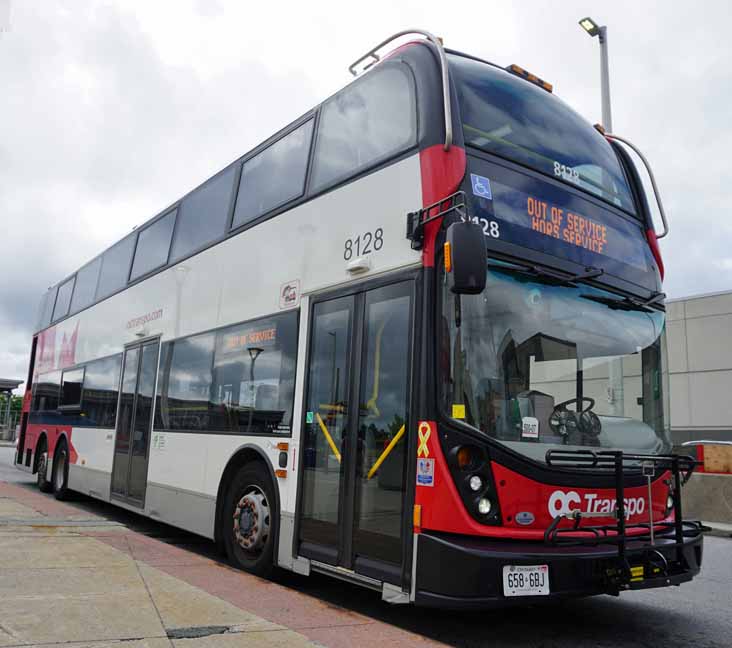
(455, 571)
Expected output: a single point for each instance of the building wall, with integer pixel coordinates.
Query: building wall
(699, 332)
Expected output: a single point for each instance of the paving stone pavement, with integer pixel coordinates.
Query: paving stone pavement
(71, 578)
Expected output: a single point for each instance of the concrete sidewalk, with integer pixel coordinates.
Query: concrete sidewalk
(69, 577)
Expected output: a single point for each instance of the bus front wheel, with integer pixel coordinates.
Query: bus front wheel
(248, 519)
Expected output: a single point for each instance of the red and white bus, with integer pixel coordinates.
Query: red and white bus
(414, 340)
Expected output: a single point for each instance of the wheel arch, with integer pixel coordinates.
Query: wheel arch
(243, 455)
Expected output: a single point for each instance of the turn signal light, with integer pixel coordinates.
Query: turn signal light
(465, 457)
(448, 257)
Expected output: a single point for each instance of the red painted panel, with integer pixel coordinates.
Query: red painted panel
(655, 249)
(442, 172)
(517, 493)
(443, 508)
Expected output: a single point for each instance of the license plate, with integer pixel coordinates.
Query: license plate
(525, 580)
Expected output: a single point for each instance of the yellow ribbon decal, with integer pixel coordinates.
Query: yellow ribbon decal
(423, 432)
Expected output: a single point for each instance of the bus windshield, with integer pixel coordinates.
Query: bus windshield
(537, 365)
(515, 119)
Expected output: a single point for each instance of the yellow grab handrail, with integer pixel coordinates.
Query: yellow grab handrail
(386, 452)
(328, 438)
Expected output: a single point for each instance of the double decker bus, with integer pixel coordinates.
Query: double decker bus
(414, 340)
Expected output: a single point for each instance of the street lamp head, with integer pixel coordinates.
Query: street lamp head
(590, 26)
(254, 352)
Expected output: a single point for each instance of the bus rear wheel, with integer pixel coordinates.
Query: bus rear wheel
(60, 474)
(248, 519)
(44, 485)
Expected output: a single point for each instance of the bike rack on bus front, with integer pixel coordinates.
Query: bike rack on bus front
(651, 536)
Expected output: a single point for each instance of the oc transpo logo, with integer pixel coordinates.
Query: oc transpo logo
(564, 503)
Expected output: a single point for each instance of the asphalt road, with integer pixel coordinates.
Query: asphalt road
(697, 614)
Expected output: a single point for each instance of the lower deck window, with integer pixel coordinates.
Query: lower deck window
(240, 379)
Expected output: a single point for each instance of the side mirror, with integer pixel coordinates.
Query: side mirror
(465, 258)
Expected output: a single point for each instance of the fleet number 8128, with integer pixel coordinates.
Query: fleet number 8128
(363, 244)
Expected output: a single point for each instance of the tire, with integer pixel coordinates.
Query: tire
(249, 516)
(60, 473)
(44, 485)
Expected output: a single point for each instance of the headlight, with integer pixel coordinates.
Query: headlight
(476, 483)
(484, 506)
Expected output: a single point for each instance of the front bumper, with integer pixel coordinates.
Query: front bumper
(455, 571)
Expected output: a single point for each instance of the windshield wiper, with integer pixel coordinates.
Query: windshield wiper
(627, 303)
(550, 276)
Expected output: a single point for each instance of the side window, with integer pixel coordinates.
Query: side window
(46, 308)
(86, 285)
(72, 382)
(101, 386)
(274, 176)
(254, 376)
(63, 300)
(115, 267)
(202, 216)
(153, 245)
(45, 395)
(184, 384)
(367, 122)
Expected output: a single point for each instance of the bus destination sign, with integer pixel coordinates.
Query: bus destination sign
(523, 210)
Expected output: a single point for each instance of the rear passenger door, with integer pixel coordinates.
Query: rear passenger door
(134, 422)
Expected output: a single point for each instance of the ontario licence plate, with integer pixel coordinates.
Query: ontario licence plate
(525, 580)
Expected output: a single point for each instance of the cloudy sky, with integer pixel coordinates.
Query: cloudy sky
(111, 110)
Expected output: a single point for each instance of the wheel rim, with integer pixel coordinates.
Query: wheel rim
(252, 520)
(60, 470)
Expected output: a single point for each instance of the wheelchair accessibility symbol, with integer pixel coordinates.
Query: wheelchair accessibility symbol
(481, 186)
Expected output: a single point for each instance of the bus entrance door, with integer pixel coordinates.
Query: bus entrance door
(354, 432)
(132, 438)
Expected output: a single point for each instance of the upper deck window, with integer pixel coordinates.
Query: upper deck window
(274, 176)
(63, 299)
(46, 308)
(153, 245)
(86, 285)
(510, 117)
(203, 214)
(367, 122)
(115, 267)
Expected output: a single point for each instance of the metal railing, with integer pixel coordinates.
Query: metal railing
(372, 53)
(656, 192)
(704, 442)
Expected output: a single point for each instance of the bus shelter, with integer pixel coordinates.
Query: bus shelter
(6, 419)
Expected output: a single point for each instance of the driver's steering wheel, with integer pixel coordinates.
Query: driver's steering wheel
(572, 425)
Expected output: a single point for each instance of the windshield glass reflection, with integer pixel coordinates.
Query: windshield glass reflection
(538, 365)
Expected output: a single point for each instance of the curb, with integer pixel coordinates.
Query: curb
(719, 529)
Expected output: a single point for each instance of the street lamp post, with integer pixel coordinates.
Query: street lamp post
(593, 29)
(253, 355)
